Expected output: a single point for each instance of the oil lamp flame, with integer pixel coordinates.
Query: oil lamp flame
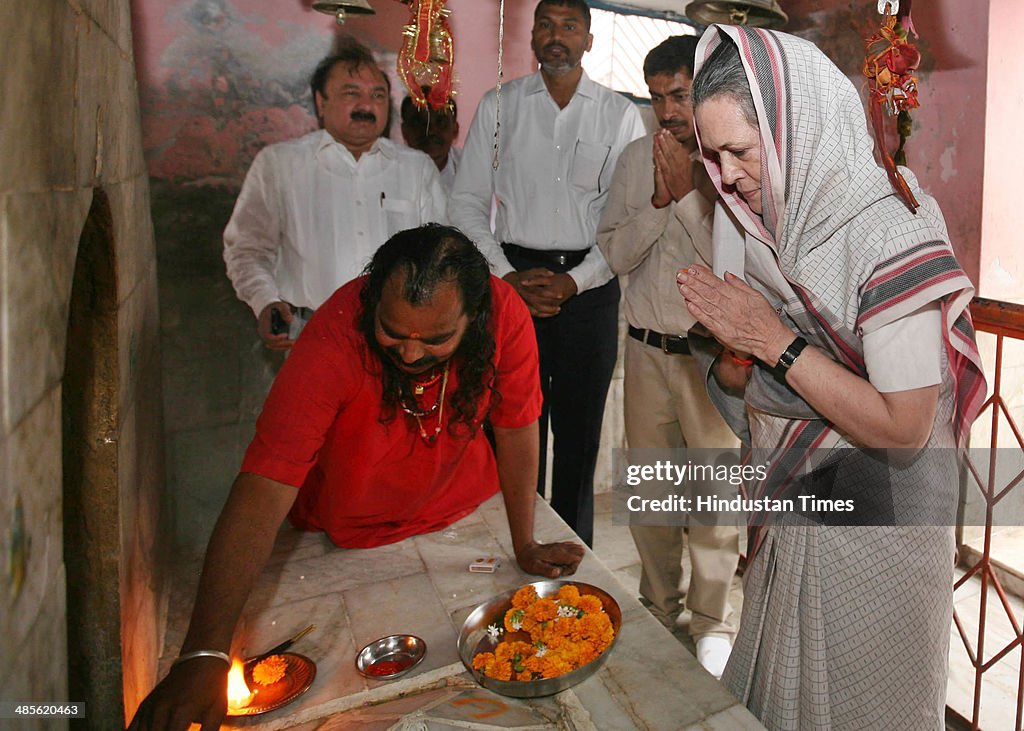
(239, 695)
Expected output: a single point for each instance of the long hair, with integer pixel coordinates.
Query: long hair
(429, 256)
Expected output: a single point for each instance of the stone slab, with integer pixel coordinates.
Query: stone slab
(423, 586)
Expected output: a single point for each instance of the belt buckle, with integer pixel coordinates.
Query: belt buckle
(561, 258)
(664, 344)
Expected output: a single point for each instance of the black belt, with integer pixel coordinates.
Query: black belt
(548, 256)
(674, 344)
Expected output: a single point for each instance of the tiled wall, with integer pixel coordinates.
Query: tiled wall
(70, 122)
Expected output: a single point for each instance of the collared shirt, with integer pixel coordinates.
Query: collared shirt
(554, 173)
(450, 169)
(310, 216)
(651, 244)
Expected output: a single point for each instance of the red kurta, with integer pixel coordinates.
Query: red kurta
(367, 483)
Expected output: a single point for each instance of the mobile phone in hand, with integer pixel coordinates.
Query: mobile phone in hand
(277, 324)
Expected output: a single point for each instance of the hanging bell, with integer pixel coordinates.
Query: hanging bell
(343, 8)
(758, 13)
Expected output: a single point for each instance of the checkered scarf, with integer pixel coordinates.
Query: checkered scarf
(855, 256)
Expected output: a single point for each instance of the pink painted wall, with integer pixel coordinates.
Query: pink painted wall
(220, 79)
(1002, 265)
(946, 150)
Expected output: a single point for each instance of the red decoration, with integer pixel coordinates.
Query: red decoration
(889, 65)
(428, 55)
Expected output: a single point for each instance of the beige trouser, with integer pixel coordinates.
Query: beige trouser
(667, 407)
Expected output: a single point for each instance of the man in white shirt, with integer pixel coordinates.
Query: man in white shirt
(559, 137)
(313, 210)
(658, 216)
(434, 132)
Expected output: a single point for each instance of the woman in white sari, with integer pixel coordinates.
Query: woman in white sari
(843, 329)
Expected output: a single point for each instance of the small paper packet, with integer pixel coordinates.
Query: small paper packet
(485, 565)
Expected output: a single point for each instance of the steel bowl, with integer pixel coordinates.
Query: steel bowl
(474, 639)
(390, 657)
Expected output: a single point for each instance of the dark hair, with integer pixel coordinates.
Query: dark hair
(350, 52)
(671, 56)
(417, 117)
(429, 256)
(354, 56)
(580, 5)
(723, 73)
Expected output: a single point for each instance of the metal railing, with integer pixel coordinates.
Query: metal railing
(1004, 320)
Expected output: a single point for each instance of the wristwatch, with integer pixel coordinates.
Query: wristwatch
(790, 354)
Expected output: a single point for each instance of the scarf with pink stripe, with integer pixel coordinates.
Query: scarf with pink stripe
(853, 253)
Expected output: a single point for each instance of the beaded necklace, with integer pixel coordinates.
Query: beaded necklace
(438, 407)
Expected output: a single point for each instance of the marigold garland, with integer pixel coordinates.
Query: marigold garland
(565, 631)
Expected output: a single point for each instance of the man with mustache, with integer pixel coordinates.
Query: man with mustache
(371, 434)
(558, 139)
(661, 201)
(313, 210)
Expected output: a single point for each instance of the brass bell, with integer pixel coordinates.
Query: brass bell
(344, 8)
(758, 13)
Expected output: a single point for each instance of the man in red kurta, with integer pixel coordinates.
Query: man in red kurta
(373, 433)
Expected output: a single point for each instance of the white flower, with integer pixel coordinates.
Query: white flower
(542, 649)
(567, 611)
(494, 631)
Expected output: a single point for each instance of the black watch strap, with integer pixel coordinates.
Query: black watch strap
(790, 354)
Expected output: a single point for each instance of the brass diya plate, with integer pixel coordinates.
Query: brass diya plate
(298, 676)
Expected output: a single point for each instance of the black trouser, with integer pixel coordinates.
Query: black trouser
(577, 348)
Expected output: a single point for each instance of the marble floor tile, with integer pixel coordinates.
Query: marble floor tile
(408, 605)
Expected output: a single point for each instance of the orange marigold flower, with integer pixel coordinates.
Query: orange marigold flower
(566, 631)
(524, 597)
(569, 594)
(500, 671)
(531, 625)
(543, 610)
(514, 619)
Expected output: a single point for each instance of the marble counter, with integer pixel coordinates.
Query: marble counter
(422, 586)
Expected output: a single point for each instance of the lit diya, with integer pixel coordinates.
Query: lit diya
(262, 685)
(268, 681)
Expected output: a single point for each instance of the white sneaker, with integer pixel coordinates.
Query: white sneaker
(713, 653)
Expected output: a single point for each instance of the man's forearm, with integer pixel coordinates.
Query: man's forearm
(517, 453)
(239, 548)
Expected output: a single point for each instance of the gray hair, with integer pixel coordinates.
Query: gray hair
(723, 73)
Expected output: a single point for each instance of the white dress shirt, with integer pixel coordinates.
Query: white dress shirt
(554, 173)
(450, 169)
(310, 216)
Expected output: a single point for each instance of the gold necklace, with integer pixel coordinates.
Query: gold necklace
(438, 407)
(419, 386)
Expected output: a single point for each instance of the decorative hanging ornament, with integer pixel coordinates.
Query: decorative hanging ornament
(427, 56)
(890, 61)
